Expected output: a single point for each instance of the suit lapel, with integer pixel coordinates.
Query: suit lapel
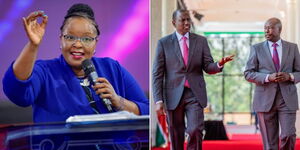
(192, 43)
(268, 55)
(177, 48)
(285, 52)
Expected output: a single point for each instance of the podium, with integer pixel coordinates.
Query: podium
(130, 134)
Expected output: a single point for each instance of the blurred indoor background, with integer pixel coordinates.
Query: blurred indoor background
(230, 26)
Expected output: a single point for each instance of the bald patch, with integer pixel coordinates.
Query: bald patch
(274, 21)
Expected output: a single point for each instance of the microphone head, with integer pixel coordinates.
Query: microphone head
(87, 66)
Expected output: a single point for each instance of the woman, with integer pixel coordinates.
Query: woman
(58, 88)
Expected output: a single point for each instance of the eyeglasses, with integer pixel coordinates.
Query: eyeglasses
(84, 40)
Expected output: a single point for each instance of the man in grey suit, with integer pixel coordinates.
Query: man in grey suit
(178, 82)
(274, 66)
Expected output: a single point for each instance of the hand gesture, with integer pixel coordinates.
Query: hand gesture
(224, 60)
(34, 30)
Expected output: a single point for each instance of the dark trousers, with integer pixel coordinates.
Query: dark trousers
(269, 123)
(193, 111)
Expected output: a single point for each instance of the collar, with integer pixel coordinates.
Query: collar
(279, 43)
(179, 36)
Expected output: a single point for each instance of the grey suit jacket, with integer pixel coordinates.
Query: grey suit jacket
(169, 71)
(260, 64)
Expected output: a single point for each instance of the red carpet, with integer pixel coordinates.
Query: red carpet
(235, 142)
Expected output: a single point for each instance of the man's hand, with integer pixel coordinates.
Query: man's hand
(279, 77)
(160, 109)
(273, 77)
(283, 76)
(224, 60)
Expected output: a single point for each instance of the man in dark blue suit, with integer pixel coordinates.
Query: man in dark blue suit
(178, 82)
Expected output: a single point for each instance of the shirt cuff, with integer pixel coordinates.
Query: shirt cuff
(158, 102)
(267, 79)
(219, 65)
(292, 77)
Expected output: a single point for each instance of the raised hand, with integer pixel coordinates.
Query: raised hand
(34, 30)
(224, 60)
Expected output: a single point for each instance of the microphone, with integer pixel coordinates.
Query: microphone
(90, 71)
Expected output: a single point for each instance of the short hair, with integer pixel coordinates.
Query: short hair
(175, 13)
(81, 10)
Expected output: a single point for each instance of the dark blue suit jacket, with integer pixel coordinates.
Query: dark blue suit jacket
(169, 72)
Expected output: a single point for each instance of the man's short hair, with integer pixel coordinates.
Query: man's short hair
(175, 13)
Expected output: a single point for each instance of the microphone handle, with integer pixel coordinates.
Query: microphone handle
(106, 102)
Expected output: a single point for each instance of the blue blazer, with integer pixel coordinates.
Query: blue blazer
(55, 92)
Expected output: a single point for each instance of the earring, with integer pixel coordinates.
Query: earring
(94, 51)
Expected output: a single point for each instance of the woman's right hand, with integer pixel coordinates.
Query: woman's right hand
(23, 65)
(34, 30)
